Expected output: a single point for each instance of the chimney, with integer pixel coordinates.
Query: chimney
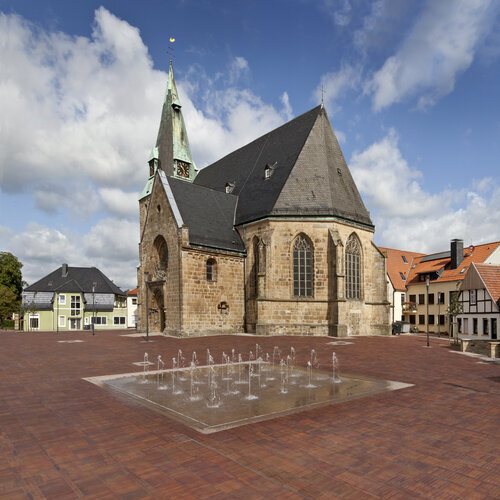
(456, 253)
(64, 270)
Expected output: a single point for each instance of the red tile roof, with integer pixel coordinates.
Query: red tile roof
(397, 265)
(478, 255)
(490, 275)
(132, 292)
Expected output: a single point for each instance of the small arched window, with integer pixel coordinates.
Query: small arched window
(302, 267)
(353, 268)
(211, 270)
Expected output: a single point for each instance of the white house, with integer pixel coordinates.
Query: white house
(480, 297)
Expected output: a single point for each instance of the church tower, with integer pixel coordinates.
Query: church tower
(172, 152)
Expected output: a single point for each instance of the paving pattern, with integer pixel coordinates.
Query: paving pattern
(62, 437)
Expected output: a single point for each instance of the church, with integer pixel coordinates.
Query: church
(271, 239)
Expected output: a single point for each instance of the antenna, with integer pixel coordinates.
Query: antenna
(170, 50)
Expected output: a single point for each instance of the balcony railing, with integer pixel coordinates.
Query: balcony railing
(409, 307)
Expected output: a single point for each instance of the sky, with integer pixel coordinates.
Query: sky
(411, 89)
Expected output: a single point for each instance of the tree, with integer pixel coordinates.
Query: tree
(454, 309)
(8, 303)
(11, 285)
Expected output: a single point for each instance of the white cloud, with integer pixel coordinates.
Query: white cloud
(226, 120)
(339, 11)
(238, 68)
(287, 107)
(335, 84)
(110, 245)
(440, 46)
(408, 217)
(120, 203)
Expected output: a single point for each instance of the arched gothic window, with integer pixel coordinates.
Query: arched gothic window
(211, 270)
(302, 267)
(161, 248)
(353, 268)
(255, 280)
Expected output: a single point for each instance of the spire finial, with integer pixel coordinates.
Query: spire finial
(170, 50)
(322, 96)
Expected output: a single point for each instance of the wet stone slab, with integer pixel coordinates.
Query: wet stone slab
(211, 399)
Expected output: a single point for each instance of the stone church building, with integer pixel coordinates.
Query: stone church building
(273, 238)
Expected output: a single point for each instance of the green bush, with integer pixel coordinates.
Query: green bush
(8, 324)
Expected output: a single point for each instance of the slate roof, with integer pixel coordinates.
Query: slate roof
(78, 279)
(208, 214)
(490, 275)
(396, 265)
(441, 264)
(309, 174)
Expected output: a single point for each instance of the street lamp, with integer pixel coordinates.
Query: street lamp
(427, 286)
(146, 279)
(94, 284)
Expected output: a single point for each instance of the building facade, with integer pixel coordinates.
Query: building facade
(399, 263)
(132, 308)
(74, 298)
(273, 238)
(435, 278)
(480, 299)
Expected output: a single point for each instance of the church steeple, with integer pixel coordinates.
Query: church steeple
(172, 153)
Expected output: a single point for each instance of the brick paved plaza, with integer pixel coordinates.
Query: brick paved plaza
(62, 437)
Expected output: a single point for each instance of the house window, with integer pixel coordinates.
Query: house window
(353, 268)
(441, 319)
(120, 302)
(302, 268)
(431, 319)
(402, 275)
(466, 325)
(404, 259)
(474, 326)
(440, 297)
(421, 319)
(119, 320)
(402, 298)
(486, 324)
(431, 298)
(472, 297)
(62, 300)
(134, 301)
(75, 305)
(421, 298)
(99, 320)
(62, 321)
(211, 270)
(413, 299)
(412, 319)
(34, 322)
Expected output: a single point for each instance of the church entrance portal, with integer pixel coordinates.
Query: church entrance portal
(158, 310)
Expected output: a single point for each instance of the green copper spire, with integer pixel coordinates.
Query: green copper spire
(172, 152)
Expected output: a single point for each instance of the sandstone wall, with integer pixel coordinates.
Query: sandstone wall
(271, 306)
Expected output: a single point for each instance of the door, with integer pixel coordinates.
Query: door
(75, 324)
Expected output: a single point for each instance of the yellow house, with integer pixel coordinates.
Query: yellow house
(74, 298)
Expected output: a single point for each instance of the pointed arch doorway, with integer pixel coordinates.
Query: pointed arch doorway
(158, 310)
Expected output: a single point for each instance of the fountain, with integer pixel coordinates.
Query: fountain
(207, 398)
(336, 370)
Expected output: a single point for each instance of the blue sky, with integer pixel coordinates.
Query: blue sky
(411, 89)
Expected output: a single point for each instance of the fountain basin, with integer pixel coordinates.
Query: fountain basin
(267, 397)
